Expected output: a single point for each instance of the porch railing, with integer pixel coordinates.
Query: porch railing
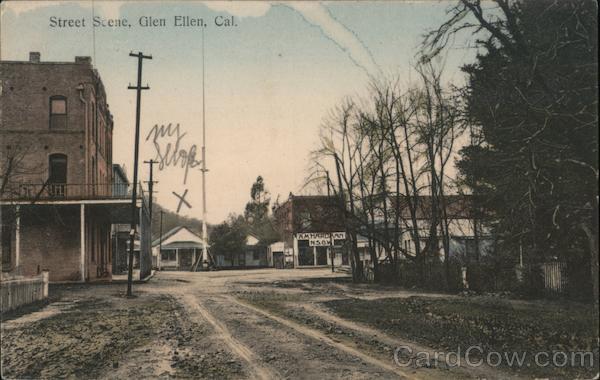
(58, 191)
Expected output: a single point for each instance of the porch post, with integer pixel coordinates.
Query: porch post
(82, 240)
(18, 237)
(159, 258)
(295, 252)
(142, 227)
(177, 257)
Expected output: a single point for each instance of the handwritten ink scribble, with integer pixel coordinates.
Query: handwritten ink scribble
(169, 154)
(182, 200)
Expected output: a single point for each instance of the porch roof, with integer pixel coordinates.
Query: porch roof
(183, 245)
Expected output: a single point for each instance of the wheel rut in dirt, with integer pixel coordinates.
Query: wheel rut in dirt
(382, 368)
(259, 371)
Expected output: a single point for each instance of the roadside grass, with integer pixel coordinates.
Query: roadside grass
(375, 345)
(494, 325)
(454, 325)
(289, 308)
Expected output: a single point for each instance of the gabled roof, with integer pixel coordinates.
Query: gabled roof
(178, 234)
(252, 239)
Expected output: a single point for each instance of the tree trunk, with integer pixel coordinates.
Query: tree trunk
(592, 235)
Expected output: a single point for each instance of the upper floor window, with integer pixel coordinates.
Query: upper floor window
(94, 123)
(57, 174)
(58, 112)
(305, 219)
(57, 168)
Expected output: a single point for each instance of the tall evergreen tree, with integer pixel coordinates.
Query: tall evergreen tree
(532, 99)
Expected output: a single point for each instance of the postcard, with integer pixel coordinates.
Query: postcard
(299, 189)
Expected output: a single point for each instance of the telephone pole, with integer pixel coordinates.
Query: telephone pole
(159, 257)
(204, 170)
(140, 56)
(150, 188)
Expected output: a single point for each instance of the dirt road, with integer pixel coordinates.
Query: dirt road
(209, 325)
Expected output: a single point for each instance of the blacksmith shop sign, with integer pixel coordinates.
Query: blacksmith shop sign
(321, 239)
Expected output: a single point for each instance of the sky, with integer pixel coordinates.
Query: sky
(270, 79)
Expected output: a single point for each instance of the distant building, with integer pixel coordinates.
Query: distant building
(178, 249)
(253, 256)
(313, 231)
(58, 198)
(461, 226)
(120, 232)
(278, 257)
(306, 223)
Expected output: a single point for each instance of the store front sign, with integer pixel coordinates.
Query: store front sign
(321, 239)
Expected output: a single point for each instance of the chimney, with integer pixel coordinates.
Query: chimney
(34, 57)
(84, 60)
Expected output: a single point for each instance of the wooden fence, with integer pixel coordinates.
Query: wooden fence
(555, 279)
(20, 291)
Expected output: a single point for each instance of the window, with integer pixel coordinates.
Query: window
(305, 219)
(470, 247)
(321, 255)
(93, 243)
(6, 246)
(255, 254)
(57, 174)
(58, 112)
(305, 253)
(94, 123)
(168, 255)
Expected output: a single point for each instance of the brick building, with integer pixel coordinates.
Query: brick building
(57, 193)
(306, 224)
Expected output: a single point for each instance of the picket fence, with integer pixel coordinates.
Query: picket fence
(20, 291)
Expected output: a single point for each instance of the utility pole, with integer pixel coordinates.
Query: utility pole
(332, 248)
(150, 187)
(138, 89)
(204, 170)
(151, 192)
(159, 257)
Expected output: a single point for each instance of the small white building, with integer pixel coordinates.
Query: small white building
(253, 256)
(179, 249)
(280, 257)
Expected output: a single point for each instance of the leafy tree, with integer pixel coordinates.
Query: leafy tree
(229, 238)
(258, 207)
(532, 100)
(257, 216)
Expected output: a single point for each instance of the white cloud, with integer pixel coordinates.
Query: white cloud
(318, 15)
(314, 13)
